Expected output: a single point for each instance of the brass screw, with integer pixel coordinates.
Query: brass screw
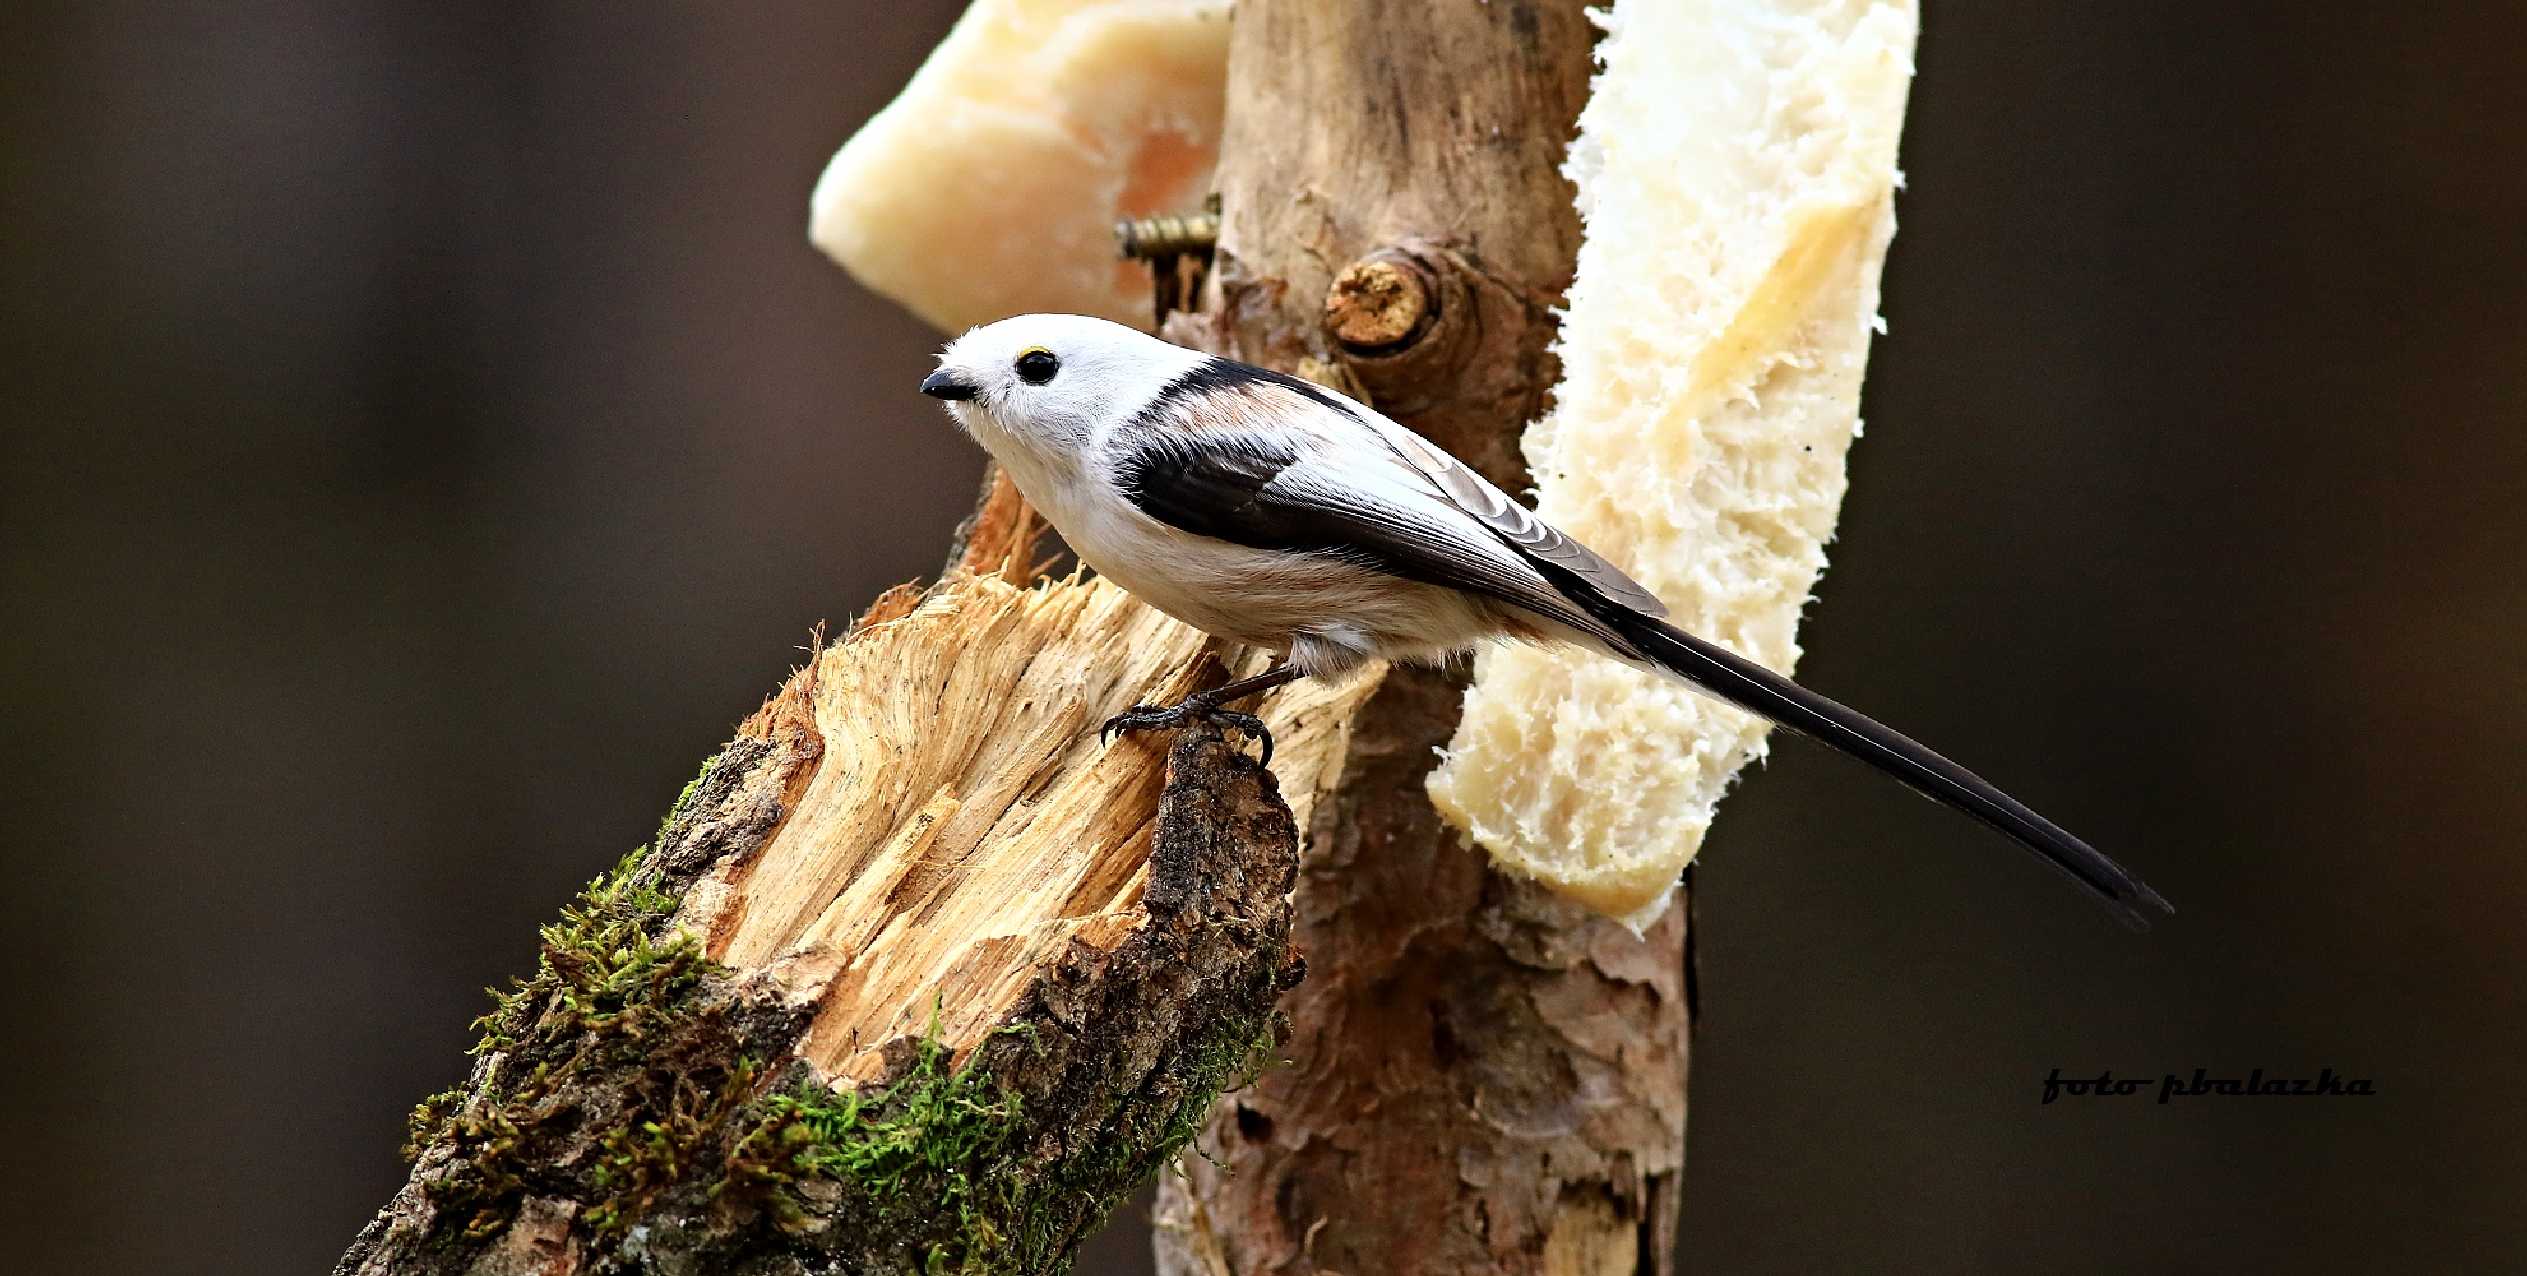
(1178, 249)
(1152, 238)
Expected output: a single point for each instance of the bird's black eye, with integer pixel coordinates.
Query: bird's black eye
(1037, 366)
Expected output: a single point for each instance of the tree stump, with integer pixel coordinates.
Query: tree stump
(918, 975)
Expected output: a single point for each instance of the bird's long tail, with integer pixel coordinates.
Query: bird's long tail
(1722, 673)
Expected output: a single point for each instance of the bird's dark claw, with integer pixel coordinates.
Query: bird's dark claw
(1248, 723)
(1145, 717)
(1142, 717)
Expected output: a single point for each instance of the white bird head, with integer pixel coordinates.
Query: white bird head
(1048, 381)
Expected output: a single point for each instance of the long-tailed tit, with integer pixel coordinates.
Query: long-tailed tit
(1269, 511)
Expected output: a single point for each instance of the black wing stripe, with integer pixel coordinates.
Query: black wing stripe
(1224, 487)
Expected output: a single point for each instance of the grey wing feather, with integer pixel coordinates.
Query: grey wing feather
(1250, 487)
(1259, 492)
(1517, 525)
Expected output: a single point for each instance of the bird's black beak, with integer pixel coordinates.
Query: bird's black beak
(944, 384)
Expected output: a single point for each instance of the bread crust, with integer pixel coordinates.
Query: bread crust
(1712, 354)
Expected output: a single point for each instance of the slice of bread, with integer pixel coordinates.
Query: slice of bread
(991, 185)
(1736, 174)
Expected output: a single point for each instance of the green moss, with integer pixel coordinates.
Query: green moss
(607, 987)
(600, 967)
(935, 1119)
(684, 796)
(641, 1160)
(928, 1145)
(485, 1179)
(429, 1121)
(1240, 1062)
(941, 1157)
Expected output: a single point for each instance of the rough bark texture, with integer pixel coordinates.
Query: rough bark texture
(1483, 1078)
(916, 977)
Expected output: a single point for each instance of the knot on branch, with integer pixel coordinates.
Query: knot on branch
(1381, 303)
(1437, 341)
(1404, 318)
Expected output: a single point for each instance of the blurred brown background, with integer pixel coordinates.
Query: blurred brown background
(427, 432)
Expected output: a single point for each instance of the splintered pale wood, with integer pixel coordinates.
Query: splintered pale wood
(962, 824)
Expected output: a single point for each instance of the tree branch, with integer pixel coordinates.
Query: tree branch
(1486, 1078)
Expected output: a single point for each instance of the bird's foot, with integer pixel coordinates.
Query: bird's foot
(1185, 713)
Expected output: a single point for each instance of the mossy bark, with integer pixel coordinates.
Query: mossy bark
(1485, 1078)
(639, 1107)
